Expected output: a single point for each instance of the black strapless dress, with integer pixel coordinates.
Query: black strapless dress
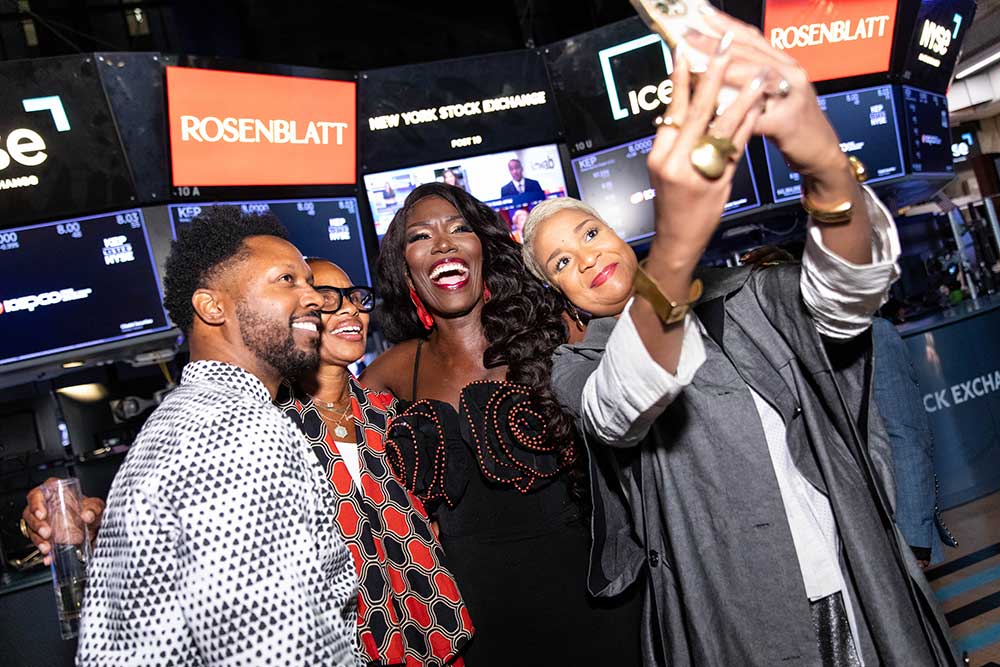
(513, 537)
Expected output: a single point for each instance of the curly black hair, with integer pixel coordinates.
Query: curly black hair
(522, 320)
(210, 243)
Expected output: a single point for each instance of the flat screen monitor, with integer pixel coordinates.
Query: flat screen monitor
(77, 283)
(928, 137)
(327, 228)
(60, 151)
(936, 42)
(240, 128)
(833, 39)
(865, 122)
(489, 178)
(964, 141)
(615, 181)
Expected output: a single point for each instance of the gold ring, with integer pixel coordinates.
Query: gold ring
(665, 121)
(24, 528)
(711, 154)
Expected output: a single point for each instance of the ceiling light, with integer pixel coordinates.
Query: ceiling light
(970, 69)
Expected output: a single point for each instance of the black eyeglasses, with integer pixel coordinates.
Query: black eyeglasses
(361, 297)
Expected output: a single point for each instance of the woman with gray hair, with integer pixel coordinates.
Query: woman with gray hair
(734, 462)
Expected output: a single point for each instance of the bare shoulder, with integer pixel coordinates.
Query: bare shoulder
(392, 370)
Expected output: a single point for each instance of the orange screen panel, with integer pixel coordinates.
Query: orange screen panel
(833, 39)
(234, 128)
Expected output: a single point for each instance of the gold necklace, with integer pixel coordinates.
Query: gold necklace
(339, 430)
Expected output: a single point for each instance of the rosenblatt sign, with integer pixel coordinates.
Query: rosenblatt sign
(833, 39)
(235, 128)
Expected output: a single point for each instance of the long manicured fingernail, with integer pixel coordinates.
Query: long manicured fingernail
(725, 43)
(707, 9)
(758, 80)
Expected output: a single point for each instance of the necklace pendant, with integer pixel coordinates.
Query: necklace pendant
(340, 431)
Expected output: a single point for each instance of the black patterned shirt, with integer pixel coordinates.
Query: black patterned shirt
(219, 545)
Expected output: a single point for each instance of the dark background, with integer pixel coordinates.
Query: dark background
(337, 34)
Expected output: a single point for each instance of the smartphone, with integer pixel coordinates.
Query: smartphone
(681, 24)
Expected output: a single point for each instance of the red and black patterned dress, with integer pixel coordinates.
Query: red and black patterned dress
(410, 611)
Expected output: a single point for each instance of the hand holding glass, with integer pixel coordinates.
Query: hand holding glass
(71, 550)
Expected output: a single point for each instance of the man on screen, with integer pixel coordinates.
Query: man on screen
(219, 544)
(520, 185)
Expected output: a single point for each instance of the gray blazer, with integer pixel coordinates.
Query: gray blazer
(694, 511)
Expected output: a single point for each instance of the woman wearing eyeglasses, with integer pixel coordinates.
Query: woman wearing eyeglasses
(409, 608)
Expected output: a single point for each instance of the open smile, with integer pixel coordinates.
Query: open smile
(450, 274)
(350, 330)
(308, 324)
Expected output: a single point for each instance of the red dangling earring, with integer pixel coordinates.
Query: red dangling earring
(425, 318)
(486, 294)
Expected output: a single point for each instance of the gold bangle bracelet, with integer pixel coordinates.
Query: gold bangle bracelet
(841, 213)
(837, 215)
(668, 311)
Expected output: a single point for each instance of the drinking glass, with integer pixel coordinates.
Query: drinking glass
(71, 550)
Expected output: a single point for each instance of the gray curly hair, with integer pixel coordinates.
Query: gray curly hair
(540, 214)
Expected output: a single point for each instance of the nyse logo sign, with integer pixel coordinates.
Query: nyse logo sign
(26, 147)
(937, 39)
(632, 99)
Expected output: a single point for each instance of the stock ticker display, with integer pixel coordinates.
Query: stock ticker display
(76, 283)
(928, 134)
(615, 181)
(865, 122)
(327, 228)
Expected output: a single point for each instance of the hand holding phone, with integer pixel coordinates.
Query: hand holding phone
(682, 25)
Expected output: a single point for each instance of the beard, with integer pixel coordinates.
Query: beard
(272, 342)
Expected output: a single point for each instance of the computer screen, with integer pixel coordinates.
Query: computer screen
(865, 122)
(328, 228)
(928, 135)
(936, 42)
(615, 181)
(509, 182)
(76, 283)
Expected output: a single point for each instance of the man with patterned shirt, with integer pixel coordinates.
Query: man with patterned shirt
(218, 544)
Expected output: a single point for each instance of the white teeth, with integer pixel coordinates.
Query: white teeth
(306, 326)
(449, 266)
(350, 328)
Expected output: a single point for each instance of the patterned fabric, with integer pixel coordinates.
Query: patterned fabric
(501, 432)
(219, 545)
(409, 607)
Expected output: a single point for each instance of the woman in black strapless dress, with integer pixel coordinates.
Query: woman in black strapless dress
(481, 440)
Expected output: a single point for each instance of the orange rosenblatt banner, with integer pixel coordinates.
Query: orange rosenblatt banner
(833, 39)
(237, 128)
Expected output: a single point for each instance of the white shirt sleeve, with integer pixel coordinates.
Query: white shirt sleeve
(629, 389)
(842, 296)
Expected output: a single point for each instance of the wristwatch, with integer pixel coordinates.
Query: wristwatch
(668, 311)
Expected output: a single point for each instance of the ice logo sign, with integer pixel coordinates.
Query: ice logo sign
(25, 146)
(644, 98)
